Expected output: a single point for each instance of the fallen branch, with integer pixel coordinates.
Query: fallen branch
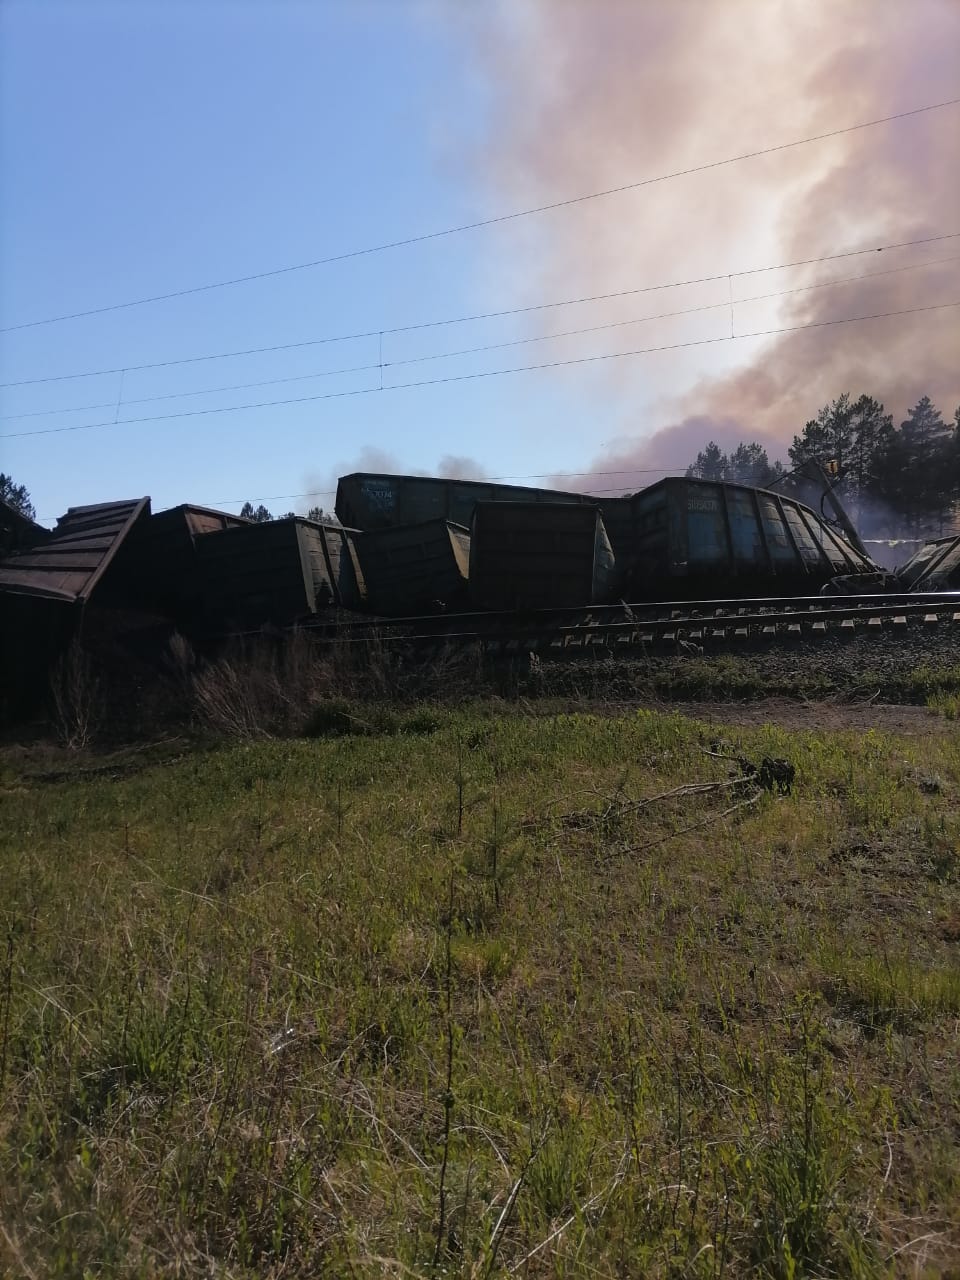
(693, 826)
(618, 809)
(771, 773)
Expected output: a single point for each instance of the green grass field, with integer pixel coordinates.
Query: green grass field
(480, 993)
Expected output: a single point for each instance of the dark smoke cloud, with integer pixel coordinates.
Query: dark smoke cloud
(627, 467)
(322, 485)
(590, 96)
(454, 466)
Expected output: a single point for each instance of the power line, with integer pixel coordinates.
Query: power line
(662, 315)
(492, 346)
(541, 475)
(487, 373)
(545, 475)
(482, 315)
(483, 222)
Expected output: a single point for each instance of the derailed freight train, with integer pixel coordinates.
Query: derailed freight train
(680, 538)
(118, 575)
(413, 545)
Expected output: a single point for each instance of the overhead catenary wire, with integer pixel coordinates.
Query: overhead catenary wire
(539, 475)
(542, 475)
(382, 364)
(679, 469)
(387, 331)
(486, 373)
(480, 223)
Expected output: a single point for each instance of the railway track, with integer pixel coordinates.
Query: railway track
(668, 626)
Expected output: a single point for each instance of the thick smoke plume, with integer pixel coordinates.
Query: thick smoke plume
(591, 96)
(320, 487)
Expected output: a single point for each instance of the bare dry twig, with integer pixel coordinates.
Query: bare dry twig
(693, 826)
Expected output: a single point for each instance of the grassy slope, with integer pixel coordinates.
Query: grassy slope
(279, 1009)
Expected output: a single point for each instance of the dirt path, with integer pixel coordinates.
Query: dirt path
(858, 716)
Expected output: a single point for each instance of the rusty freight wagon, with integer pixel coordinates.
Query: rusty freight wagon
(17, 531)
(419, 568)
(377, 501)
(157, 567)
(700, 537)
(935, 567)
(59, 589)
(277, 572)
(542, 555)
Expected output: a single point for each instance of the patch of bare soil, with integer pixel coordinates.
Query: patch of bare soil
(909, 721)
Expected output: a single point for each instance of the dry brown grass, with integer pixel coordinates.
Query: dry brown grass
(407, 1000)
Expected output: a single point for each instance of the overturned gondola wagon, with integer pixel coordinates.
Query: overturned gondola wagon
(935, 567)
(539, 555)
(695, 537)
(279, 572)
(418, 568)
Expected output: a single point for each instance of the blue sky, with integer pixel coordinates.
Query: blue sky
(148, 148)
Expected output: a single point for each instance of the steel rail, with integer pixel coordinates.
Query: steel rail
(638, 609)
(643, 624)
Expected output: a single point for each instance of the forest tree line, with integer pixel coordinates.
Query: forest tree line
(894, 480)
(260, 514)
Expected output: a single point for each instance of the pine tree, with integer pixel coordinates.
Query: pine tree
(260, 515)
(749, 464)
(16, 496)
(711, 464)
(828, 437)
(872, 433)
(919, 474)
